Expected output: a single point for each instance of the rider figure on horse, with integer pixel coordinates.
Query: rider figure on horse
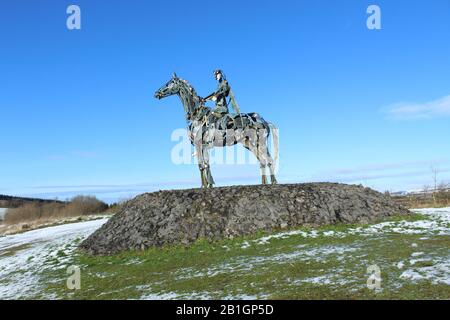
(220, 97)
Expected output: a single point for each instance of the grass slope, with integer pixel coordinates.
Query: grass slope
(326, 263)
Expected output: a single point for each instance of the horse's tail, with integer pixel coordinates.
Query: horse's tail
(275, 141)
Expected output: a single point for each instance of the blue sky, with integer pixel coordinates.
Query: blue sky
(352, 105)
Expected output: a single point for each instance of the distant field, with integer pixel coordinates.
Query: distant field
(438, 199)
(34, 213)
(327, 263)
(2, 213)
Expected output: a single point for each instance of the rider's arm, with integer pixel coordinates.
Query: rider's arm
(224, 89)
(210, 96)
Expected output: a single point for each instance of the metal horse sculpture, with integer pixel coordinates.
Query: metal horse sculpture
(206, 130)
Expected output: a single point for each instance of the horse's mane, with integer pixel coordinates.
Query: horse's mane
(191, 103)
(189, 87)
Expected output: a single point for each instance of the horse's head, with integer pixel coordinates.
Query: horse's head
(170, 88)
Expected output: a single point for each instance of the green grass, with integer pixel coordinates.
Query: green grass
(13, 250)
(282, 268)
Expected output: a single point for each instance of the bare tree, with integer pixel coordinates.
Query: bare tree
(443, 193)
(442, 187)
(434, 172)
(426, 191)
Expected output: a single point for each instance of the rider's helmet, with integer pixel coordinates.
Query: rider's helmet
(218, 71)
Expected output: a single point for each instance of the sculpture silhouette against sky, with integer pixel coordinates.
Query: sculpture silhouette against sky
(209, 128)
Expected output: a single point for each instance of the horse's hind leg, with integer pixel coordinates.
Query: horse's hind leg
(263, 174)
(265, 158)
(270, 163)
(262, 163)
(264, 154)
(208, 177)
(273, 180)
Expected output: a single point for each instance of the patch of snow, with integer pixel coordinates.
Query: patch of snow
(338, 277)
(23, 256)
(241, 297)
(326, 279)
(245, 245)
(245, 263)
(432, 211)
(283, 235)
(161, 296)
(414, 261)
(416, 254)
(133, 261)
(437, 223)
(438, 273)
(177, 296)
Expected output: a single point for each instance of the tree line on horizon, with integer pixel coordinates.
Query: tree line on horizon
(29, 210)
(7, 201)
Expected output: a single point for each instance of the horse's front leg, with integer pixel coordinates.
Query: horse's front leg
(202, 146)
(201, 165)
(203, 177)
(206, 146)
(197, 141)
(208, 176)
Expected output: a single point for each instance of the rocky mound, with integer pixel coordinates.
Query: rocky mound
(183, 216)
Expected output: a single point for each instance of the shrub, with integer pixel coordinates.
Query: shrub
(84, 205)
(79, 205)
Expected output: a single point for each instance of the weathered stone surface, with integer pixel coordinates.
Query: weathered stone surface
(183, 216)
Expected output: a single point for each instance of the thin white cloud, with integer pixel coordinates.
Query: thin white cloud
(414, 111)
(116, 192)
(387, 175)
(376, 167)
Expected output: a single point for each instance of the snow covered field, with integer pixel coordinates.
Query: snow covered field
(22, 256)
(409, 253)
